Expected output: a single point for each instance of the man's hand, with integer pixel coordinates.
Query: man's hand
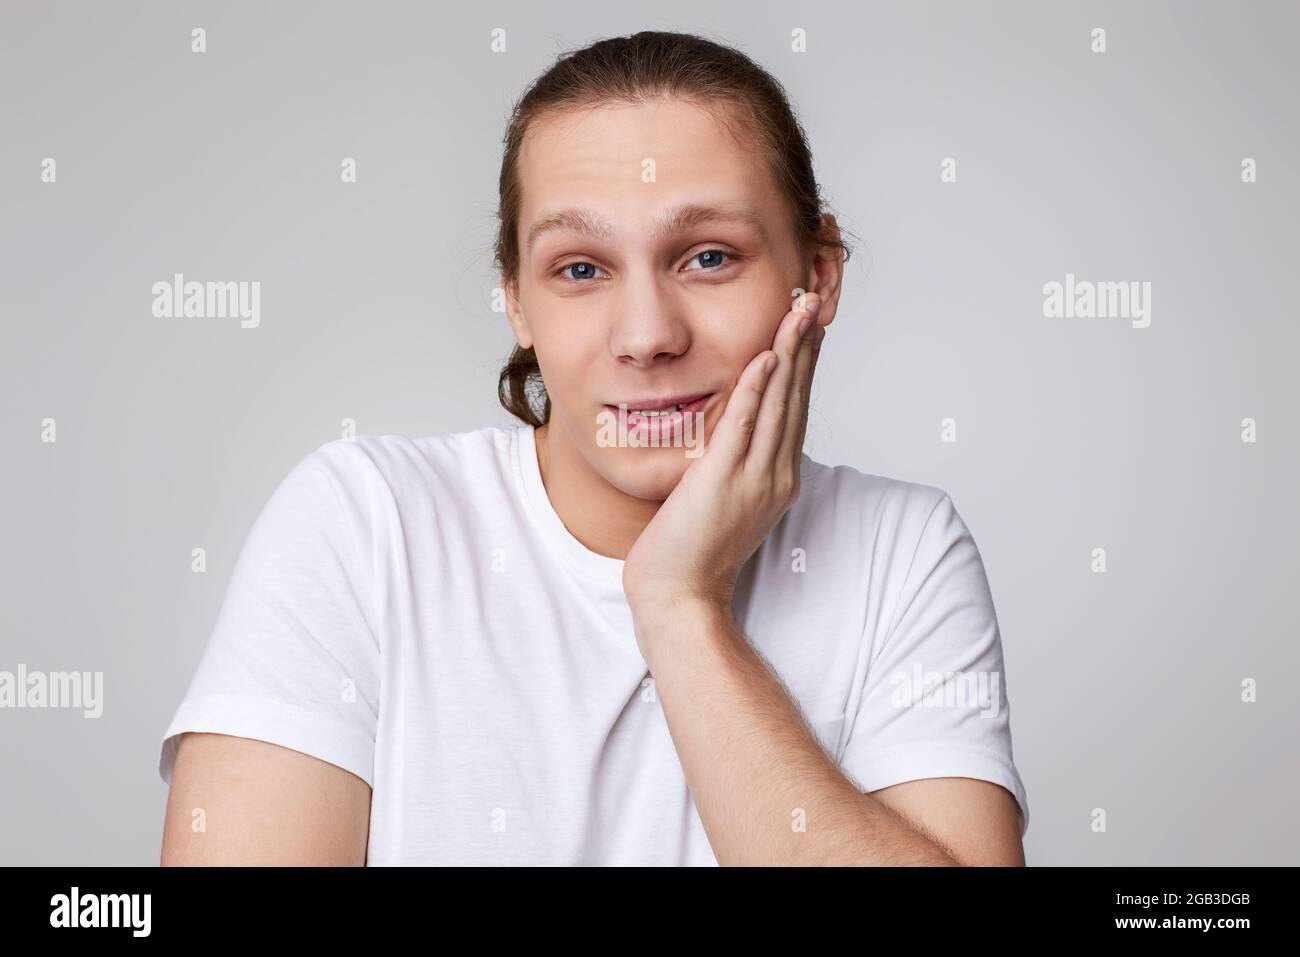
(730, 498)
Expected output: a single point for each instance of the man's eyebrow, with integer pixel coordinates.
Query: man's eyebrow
(685, 216)
(572, 220)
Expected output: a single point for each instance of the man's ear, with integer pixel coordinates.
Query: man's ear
(826, 272)
(515, 314)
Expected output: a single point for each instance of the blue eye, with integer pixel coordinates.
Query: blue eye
(711, 260)
(715, 257)
(588, 271)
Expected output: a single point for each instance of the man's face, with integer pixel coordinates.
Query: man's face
(687, 269)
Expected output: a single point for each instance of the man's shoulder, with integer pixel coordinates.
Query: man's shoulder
(405, 464)
(845, 493)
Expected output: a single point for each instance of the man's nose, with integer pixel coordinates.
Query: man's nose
(649, 323)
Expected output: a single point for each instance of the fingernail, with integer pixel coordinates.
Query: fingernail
(804, 323)
(770, 364)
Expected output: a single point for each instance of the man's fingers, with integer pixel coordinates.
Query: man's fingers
(796, 424)
(731, 438)
(775, 410)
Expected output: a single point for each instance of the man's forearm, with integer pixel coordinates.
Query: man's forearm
(766, 792)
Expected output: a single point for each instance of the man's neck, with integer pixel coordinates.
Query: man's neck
(605, 519)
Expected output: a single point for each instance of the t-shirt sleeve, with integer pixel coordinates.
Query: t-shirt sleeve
(293, 658)
(934, 699)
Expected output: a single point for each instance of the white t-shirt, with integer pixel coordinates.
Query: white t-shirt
(414, 611)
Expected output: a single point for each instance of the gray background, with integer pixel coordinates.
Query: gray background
(1072, 433)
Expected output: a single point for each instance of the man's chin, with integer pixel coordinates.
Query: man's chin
(650, 473)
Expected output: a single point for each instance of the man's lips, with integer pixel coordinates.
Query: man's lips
(664, 420)
(684, 403)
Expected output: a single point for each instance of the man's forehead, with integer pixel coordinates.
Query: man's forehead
(612, 140)
(578, 170)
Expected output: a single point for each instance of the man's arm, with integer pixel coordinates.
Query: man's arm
(262, 805)
(766, 791)
(978, 820)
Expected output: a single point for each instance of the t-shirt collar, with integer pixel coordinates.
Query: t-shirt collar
(600, 569)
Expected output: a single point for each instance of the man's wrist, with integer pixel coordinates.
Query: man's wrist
(680, 620)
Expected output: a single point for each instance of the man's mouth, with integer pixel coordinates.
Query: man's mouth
(662, 408)
(667, 420)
